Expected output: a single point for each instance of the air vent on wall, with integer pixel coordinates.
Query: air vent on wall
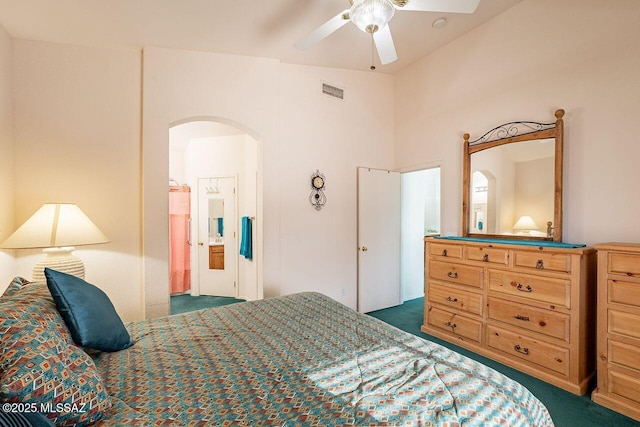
(332, 91)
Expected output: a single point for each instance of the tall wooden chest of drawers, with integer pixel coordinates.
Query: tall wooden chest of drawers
(529, 307)
(618, 353)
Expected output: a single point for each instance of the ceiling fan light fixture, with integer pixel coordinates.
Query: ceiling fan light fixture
(371, 15)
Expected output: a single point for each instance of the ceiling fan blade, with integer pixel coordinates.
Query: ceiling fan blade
(385, 46)
(454, 6)
(323, 31)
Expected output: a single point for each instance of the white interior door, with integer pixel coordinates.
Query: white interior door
(216, 243)
(378, 239)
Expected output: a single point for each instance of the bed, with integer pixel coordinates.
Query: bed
(296, 360)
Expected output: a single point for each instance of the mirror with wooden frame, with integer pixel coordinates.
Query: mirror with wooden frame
(512, 182)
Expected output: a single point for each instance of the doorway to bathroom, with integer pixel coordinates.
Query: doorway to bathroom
(420, 216)
(218, 163)
(215, 237)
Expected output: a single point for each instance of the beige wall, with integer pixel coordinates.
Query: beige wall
(236, 90)
(77, 125)
(318, 248)
(7, 261)
(77, 139)
(299, 130)
(580, 55)
(77, 121)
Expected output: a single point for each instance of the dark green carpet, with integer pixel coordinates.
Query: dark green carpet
(185, 303)
(566, 409)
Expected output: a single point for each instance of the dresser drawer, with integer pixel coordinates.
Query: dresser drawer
(624, 354)
(542, 261)
(624, 292)
(534, 319)
(489, 255)
(627, 264)
(445, 250)
(542, 289)
(530, 349)
(455, 298)
(455, 324)
(624, 323)
(625, 384)
(456, 273)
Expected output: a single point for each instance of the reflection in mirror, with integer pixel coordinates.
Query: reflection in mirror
(216, 220)
(512, 189)
(216, 234)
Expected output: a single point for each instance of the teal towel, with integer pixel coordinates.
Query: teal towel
(245, 245)
(220, 229)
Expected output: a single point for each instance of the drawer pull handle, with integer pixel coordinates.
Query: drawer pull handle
(523, 288)
(540, 264)
(519, 349)
(524, 318)
(451, 325)
(452, 299)
(444, 252)
(453, 275)
(485, 258)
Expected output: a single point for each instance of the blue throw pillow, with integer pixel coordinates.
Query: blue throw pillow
(88, 313)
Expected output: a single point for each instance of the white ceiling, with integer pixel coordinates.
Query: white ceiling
(263, 28)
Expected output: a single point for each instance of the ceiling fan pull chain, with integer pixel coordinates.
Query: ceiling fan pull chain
(373, 67)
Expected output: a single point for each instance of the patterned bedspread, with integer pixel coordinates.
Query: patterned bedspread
(299, 360)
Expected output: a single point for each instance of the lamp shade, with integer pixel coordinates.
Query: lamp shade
(371, 15)
(56, 225)
(525, 223)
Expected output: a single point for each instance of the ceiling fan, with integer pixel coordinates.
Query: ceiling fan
(372, 16)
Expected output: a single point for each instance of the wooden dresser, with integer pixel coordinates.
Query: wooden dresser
(529, 307)
(618, 353)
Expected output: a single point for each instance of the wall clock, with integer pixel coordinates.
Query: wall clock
(317, 197)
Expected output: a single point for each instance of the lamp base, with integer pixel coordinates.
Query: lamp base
(59, 259)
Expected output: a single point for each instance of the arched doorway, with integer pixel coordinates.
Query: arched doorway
(214, 166)
(205, 131)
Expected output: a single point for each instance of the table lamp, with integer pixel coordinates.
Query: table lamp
(525, 224)
(56, 227)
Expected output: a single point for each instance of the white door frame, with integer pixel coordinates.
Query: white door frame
(195, 232)
(418, 168)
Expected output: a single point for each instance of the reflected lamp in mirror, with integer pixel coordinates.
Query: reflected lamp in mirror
(525, 225)
(57, 228)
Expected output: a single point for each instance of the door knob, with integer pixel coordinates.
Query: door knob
(364, 249)
(200, 244)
